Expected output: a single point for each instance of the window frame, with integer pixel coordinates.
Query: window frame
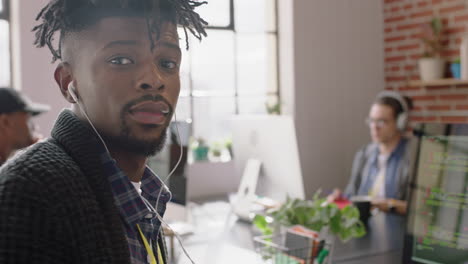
(231, 24)
(191, 94)
(5, 15)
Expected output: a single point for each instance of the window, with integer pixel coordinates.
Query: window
(233, 70)
(5, 62)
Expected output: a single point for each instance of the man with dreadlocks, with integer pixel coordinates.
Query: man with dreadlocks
(85, 195)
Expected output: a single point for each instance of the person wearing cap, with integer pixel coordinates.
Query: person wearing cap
(381, 169)
(16, 127)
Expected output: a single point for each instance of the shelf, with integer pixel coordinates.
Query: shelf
(441, 82)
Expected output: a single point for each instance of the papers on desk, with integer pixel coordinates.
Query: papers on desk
(182, 228)
(220, 253)
(212, 239)
(246, 207)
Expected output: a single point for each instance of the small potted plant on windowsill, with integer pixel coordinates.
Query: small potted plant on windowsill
(273, 105)
(455, 69)
(431, 65)
(199, 149)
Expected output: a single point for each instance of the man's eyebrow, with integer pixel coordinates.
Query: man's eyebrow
(169, 45)
(121, 43)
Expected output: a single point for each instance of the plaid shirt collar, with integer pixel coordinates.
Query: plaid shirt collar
(132, 208)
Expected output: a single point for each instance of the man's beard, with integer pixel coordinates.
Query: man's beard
(125, 142)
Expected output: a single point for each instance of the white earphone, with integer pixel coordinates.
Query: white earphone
(72, 92)
(402, 118)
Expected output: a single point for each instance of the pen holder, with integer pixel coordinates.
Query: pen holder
(272, 249)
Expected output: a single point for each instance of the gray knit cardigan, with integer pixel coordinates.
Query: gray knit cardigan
(55, 204)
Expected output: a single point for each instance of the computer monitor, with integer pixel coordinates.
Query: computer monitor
(271, 140)
(437, 226)
(165, 161)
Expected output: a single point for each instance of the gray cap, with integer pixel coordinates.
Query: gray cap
(12, 101)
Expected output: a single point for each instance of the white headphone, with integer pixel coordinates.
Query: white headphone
(402, 118)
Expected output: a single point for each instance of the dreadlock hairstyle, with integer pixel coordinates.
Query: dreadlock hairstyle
(67, 16)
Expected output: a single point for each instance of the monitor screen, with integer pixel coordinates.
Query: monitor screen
(437, 227)
(271, 140)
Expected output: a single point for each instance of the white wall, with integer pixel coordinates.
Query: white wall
(338, 69)
(33, 72)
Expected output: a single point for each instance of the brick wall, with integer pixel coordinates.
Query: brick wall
(402, 20)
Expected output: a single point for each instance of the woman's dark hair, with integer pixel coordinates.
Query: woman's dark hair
(66, 16)
(395, 104)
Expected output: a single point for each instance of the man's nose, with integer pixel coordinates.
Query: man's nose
(151, 78)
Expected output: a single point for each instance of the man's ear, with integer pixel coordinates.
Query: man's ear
(5, 122)
(64, 76)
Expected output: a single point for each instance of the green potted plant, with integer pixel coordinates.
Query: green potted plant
(200, 149)
(431, 65)
(228, 146)
(216, 150)
(273, 105)
(317, 215)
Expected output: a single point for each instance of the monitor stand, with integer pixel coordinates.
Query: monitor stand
(243, 204)
(177, 217)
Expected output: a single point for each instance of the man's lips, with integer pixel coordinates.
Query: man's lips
(150, 112)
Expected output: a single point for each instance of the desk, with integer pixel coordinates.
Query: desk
(384, 235)
(384, 258)
(220, 238)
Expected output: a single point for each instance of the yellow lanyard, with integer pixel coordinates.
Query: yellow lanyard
(150, 250)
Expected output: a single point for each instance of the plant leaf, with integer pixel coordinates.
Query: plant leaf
(316, 214)
(262, 224)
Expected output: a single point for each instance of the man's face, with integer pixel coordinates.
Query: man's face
(20, 130)
(382, 123)
(128, 90)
